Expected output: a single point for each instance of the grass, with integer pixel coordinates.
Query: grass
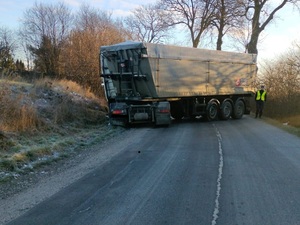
(42, 148)
(283, 112)
(17, 114)
(46, 121)
(291, 120)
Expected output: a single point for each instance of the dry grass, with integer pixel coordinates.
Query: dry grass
(72, 102)
(285, 110)
(17, 114)
(45, 121)
(65, 86)
(291, 120)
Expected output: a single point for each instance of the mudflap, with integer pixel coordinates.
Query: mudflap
(162, 114)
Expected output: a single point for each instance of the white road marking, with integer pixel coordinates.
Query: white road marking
(221, 163)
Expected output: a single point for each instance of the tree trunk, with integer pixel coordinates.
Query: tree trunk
(219, 42)
(220, 34)
(256, 29)
(252, 45)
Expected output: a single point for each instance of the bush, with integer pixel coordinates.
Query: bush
(282, 80)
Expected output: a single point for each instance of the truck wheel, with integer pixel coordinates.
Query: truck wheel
(226, 110)
(239, 109)
(212, 111)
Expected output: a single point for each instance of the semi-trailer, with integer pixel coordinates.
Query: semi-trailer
(155, 83)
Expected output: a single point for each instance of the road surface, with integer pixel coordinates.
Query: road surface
(225, 172)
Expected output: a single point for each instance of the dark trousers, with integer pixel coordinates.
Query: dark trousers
(259, 108)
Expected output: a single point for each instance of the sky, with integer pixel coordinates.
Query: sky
(277, 38)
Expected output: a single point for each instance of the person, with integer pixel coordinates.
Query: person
(260, 98)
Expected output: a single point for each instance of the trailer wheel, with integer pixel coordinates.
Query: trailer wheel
(212, 111)
(239, 109)
(226, 110)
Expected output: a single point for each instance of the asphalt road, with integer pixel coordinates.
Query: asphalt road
(224, 172)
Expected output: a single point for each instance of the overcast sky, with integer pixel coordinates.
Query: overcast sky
(278, 36)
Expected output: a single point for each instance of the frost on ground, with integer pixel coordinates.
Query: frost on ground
(24, 192)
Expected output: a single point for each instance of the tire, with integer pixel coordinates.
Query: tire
(226, 110)
(239, 109)
(212, 111)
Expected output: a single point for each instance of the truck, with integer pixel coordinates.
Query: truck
(157, 83)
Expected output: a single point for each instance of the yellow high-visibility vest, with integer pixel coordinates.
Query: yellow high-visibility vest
(261, 96)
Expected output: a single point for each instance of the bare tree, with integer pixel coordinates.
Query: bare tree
(196, 15)
(282, 79)
(44, 30)
(148, 23)
(261, 13)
